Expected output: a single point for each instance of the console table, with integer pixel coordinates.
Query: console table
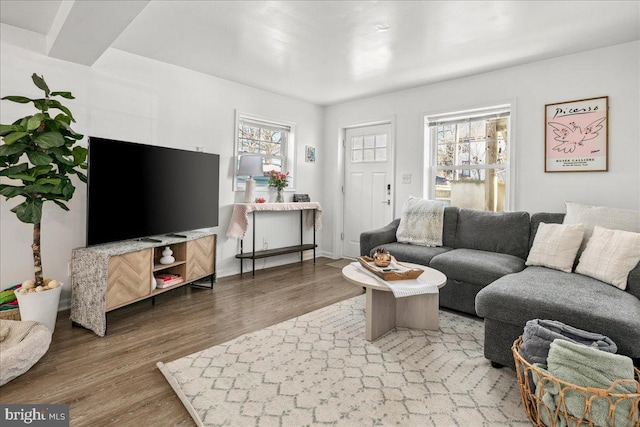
(240, 222)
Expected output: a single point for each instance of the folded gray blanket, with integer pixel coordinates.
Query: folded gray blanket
(539, 334)
(586, 367)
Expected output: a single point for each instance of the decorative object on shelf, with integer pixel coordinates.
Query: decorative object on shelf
(310, 154)
(260, 200)
(301, 198)
(39, 155)
(250, 165)
(575, 137)
(382, 257)
(167, 257)
(279, 181)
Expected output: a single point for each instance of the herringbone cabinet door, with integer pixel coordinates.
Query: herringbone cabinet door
(201, 258)
(129, 277)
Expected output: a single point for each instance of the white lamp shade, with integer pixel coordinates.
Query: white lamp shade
(250, 165)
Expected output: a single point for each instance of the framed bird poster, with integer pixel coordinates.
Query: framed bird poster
(575, 138)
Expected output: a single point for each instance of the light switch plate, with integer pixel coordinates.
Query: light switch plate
(406, 178)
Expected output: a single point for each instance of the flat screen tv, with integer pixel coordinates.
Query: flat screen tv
(139, 191)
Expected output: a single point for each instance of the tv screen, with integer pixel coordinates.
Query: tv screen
(137, 190)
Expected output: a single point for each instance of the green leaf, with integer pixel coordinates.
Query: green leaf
(55, 104)
(63, 94)
(39, 81)
(13, 137)
(29, 211)
(39, 158)
(22, 177)
(64, 118)
(7, 150)
(5, 129)
(67, 190)
(49, 140)
(38, 189)
(10, 191)
(22, 167)
(79, 155)
(34, 121)
(41, 104)
(53, 181)
(62, 159)
(40, 170)
(20, 99)
(82, 177)
(62, 205)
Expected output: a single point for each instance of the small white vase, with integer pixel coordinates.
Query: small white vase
(40, 306)
(166, 256)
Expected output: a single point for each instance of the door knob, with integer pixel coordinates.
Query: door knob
(386, 202)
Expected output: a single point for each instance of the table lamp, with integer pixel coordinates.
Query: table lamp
(250, 165)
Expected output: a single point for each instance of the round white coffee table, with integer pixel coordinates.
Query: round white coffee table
(384, 311)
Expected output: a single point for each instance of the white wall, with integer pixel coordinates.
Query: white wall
(131, 98)
(610, 71)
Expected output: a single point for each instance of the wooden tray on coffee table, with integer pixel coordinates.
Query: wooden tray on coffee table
(395, 270)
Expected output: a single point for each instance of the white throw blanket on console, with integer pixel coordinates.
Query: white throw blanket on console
(421, 222)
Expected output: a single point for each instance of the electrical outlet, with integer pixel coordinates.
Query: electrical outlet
(69, 269)
(265, 244)
(406, 178)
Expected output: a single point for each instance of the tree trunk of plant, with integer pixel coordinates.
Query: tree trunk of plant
(37, 261)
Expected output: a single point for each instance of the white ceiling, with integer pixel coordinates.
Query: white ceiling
(327, 52)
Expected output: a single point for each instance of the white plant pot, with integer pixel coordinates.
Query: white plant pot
(40, 306)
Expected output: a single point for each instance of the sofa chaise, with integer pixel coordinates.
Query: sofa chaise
(483, 256)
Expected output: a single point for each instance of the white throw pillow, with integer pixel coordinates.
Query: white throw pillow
(590, 216)
(556, 246)
(610, 255)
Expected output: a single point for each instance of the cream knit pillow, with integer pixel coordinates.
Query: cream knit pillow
(555, 246)
(610, 255)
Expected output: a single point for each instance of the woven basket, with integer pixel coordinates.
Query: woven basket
(13, 314)
(623, 409)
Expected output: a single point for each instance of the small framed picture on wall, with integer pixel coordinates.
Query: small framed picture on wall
(310, 154)
(576, 136)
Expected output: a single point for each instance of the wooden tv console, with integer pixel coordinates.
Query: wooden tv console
(111, 276)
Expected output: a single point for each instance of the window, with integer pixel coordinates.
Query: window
(469, 158)
(369, 148)
(274, 141)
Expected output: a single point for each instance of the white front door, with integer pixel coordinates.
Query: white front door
(368, 189)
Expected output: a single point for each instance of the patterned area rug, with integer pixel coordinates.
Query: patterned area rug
(318, 369)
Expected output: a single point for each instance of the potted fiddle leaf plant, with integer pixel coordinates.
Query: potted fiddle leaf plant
(38, 156)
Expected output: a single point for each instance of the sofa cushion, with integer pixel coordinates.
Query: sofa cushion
(590, 216)
(547, 218)
(405, 252)
(421, 222)
(633, 282)
(610, 255)
(474, 266)
(556, 246)
(450, 226)
(574, 299)
(502, 232)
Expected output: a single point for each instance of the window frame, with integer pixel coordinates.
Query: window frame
(288, 148)
(431, 167)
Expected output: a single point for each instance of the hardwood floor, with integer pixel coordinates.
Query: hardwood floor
(114, 380)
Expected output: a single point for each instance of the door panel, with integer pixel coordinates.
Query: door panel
(368, 198)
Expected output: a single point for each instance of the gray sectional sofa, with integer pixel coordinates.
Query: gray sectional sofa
(483, 256)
